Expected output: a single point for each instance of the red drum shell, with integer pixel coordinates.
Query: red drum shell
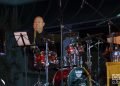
(40, 57)
(60, 75)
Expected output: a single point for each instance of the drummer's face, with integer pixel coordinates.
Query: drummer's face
(38, 24)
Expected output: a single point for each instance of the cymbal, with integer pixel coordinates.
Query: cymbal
(53, 37)
(96, 36)
(70, 34)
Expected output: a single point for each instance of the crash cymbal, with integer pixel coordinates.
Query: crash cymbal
(97, 36)
(53, 37)
(70, 34)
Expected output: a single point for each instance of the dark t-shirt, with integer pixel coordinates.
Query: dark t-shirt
(39, 41)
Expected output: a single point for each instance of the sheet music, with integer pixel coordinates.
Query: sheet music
(19, 38)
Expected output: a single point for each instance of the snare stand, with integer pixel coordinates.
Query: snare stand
(39, 83)
(46, 67)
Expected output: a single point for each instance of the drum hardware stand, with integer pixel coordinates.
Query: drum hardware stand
(96, 83)
(112, 38)
(61, 33)
(98, 70)
(89, 63)
(78, 57)
(39, 83)
(81, 61)
(46, 67)
(46, 63)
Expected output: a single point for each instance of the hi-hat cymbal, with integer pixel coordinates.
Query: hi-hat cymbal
(53, 37)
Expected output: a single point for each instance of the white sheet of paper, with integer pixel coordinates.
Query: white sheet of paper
(19, 38)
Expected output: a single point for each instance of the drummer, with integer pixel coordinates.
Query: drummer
(38, 38)
(35, 35)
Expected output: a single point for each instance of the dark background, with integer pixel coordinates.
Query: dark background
(18, 15)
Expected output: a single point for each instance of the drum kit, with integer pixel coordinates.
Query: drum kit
(73, 72)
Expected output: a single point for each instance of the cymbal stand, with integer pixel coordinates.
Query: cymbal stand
(46, 63)
(77, 56)
(79, 53)
(112, 38)
(39, 83)
(61, 33)
(98, 70)
(89, 62)
(80, 61)
(98, 47)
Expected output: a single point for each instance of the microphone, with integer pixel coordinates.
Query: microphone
(83, 1)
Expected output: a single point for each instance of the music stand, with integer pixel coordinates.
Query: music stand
(23, 41)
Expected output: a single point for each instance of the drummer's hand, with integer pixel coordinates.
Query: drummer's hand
(33, 47)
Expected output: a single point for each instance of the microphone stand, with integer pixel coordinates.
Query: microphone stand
(111, 38)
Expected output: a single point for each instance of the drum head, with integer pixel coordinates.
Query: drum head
(61, 75)
(78, 77)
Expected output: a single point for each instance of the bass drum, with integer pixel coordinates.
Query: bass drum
(60, 75)
(79, 76)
